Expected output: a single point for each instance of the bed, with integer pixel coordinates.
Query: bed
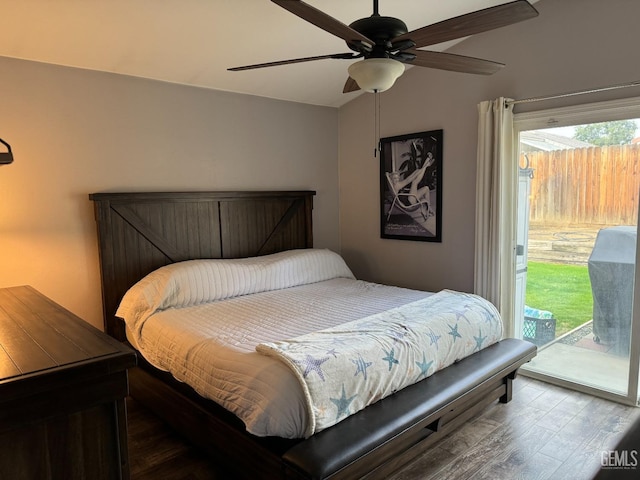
(141, 234)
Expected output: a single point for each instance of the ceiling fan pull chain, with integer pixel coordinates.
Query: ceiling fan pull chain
(377, 94)
(375, 126)
(376, 123)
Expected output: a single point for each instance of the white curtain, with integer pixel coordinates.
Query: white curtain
(496, 196)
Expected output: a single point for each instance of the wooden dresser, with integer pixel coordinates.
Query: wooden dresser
(62, 390)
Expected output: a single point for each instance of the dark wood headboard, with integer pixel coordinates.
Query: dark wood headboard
(140, 232)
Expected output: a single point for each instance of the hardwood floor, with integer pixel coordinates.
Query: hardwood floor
(545, 432)
(157, 453)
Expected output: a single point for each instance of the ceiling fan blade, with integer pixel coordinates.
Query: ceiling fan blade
(345, 56)
(350, 86)
(325, 22)
(454, 63)
(471, 23)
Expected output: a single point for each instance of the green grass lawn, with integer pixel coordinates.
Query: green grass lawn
(564, 290)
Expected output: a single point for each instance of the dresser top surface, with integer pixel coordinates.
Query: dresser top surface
(38, 336)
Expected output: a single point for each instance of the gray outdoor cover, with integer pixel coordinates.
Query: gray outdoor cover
(611, 271)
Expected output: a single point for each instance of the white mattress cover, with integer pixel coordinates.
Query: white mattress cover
(211, 346)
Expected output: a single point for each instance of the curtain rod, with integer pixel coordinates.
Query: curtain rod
(635, 83)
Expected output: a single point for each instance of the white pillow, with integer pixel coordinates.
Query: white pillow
(193, 282)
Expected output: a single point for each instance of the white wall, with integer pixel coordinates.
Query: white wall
(75, 132)
(572, 45)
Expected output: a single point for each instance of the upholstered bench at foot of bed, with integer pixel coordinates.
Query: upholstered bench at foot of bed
(394, 430)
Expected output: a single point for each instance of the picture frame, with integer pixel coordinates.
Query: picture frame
(411, 186)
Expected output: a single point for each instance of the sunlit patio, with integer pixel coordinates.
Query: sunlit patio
(577, 357)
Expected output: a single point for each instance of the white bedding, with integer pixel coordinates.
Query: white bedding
(202, 320)
(348, 367)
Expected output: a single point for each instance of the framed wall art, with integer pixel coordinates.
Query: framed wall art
(411, 186)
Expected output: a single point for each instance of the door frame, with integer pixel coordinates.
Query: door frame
(621, 109)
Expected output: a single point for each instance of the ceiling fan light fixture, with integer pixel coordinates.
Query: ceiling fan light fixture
(376, 74)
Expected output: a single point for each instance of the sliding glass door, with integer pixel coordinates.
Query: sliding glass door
(578, 197)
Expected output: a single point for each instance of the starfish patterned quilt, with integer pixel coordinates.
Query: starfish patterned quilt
(345, 368)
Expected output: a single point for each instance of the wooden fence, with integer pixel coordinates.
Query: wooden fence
(595, 185)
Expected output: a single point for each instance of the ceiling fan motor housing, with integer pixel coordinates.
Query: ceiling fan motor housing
(381, 30)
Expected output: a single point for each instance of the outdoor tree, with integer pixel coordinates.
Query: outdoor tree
(606, 133)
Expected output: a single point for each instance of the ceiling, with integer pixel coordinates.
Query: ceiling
(193, 42)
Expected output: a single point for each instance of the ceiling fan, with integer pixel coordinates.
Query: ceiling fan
(385, 44)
